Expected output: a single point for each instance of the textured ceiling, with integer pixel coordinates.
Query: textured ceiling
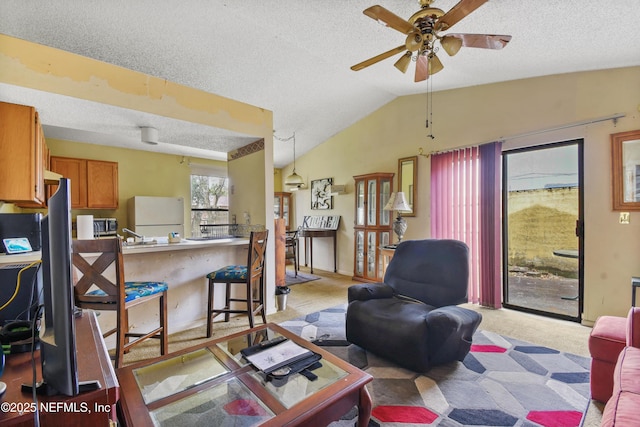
(293, 57)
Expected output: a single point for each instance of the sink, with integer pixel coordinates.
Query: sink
(141, 243)
(198, 239)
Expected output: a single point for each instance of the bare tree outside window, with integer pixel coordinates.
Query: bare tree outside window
(209, 201)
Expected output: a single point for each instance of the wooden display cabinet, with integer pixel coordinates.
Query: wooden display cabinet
(282, 207)
(372, 226)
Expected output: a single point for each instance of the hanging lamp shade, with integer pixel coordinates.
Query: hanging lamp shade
(294, 180)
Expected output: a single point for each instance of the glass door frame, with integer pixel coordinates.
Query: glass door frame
(579, 230)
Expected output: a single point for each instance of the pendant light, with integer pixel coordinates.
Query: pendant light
(294, 180)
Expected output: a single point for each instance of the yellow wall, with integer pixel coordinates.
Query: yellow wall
(140, 173)
(480, 114)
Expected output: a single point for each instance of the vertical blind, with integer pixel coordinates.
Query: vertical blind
(465, 205)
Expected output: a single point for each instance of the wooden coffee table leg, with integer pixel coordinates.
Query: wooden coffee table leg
(364, 407)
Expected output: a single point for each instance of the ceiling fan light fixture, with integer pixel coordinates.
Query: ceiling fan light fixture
(434, 64)
(402, 64)
(451, 45)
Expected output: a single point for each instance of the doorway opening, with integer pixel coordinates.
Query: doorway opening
(543, 229)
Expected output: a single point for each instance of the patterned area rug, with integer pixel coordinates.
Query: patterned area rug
(501, 382)
(291, 279)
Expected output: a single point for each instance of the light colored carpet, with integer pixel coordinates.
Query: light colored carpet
(331, 290)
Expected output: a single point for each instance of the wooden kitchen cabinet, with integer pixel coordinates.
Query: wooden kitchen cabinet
(94, 183)
(21, 155)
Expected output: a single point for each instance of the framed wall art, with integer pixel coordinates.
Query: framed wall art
(321, 194)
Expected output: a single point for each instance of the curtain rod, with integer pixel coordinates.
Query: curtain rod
(613, 117)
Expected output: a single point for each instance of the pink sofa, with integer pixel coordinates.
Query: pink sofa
(623, 408)
(607, 339)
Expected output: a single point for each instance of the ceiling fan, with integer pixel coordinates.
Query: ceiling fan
(422, 31)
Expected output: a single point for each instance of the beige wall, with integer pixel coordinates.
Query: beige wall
(479, 114)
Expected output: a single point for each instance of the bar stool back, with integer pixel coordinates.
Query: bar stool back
(117, 296)
(252, 278)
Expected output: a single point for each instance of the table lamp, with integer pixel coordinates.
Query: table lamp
(398, 202)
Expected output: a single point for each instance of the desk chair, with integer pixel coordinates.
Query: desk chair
(291, 249)
(252, 278)
(118, 296)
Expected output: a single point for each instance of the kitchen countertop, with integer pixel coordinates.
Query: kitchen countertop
(162, 245)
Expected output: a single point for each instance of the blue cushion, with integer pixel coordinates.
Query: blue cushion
(135, 290)
(230, 272)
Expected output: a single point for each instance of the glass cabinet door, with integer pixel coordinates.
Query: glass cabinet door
(285, 211)
(359, 252)
(360, 203)
(385, 194)
(276, 207)
(371, 254)
(371, 202)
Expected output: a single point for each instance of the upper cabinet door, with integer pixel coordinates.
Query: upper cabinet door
(76, 171)
(94, 183)
(360, 205)
(102, 185)
(21, 155)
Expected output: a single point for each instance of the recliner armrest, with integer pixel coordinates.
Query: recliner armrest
(367, 291)
(450, 332)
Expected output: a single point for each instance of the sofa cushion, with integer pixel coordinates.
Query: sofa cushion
(627, 374)
(623, 407)
(633, 327)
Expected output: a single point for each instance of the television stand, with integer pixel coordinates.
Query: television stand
(93, 364)
(43, 389)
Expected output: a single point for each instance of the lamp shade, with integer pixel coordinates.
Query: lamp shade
(403, 63)
(398, 202)
(451, 44)
(294, 180)
(389, 205)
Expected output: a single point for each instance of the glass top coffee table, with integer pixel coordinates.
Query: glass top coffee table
(213, 384)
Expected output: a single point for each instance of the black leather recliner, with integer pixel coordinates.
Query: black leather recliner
(412, 318)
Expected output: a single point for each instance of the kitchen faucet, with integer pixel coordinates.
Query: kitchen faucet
(133, 233)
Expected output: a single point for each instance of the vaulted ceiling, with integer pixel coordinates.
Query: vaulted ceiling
(294, 57)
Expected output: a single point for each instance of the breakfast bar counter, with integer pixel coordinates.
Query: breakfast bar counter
(182, 265)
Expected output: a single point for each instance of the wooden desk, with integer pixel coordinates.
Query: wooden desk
(207, 381)
(310, 234)
(93, 408)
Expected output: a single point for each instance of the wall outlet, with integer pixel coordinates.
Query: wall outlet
(625, 218)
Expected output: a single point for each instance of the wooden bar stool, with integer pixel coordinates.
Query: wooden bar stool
(119, 296)
(291, 249)
(252, 278)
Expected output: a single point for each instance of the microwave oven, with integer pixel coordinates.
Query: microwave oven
(105, 227)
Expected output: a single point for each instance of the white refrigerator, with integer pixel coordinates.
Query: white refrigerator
(156, 216)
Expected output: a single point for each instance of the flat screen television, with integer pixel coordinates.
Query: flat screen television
(57, 331)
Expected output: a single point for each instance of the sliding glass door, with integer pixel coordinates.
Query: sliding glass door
(542, 229)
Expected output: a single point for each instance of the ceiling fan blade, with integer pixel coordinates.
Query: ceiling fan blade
(389, 18)
(457, 12)
(378, 58)
(422, 68)
(483, 41)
